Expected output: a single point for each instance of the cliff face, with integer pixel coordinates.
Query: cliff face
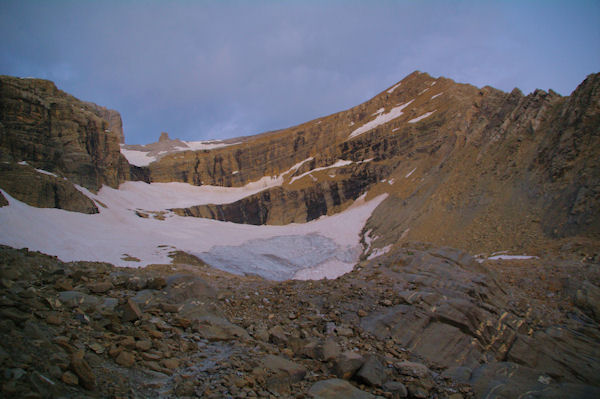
(43, 190)
(54, 131)
(477, 169)
(115, 123)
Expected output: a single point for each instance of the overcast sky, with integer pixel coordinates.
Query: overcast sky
(219, 69)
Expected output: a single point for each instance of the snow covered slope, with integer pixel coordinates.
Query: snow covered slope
(135, 228)
(144, 155)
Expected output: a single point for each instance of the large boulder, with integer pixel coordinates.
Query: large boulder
(336, 388)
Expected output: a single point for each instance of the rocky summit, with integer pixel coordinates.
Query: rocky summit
(437, 241)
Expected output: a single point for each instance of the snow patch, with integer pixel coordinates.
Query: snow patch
(163, 196)
(368, 239)
(45, 172)
(379, 111)
(437, 95)
(410, 173)
(351, 123)
(420, 118)
(137, 158)
(379, 251)
(381, 119)
(205, 145)
(424, 91)
(23, 163)
(338, 164)
(512, 257)
(390, 91)
(297, 166)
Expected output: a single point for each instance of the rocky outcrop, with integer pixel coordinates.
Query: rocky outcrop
(115, 123)
(43, 190)
(54, 131)
(510, 174)
(295, 203)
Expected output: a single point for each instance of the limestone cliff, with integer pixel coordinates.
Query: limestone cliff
(115, 123)
(56, 132)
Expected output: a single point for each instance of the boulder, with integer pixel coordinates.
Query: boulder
(282, 372)
(215, 328)
(125, 359)
(131, 311)
(81, 368)
(100, 287)
(278, 336)
(330, 350)
(371, 372)
(337, 388)
(346, 364)
(396, 388)
(413, 369)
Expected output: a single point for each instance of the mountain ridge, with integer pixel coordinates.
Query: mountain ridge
(422, 127)
(349, 265)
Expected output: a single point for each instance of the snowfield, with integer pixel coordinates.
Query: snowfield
(162, 196)
(326, 247)
(204, 145)
(144, 158)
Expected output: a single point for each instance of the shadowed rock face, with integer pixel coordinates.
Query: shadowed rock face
(294, 203)
(54, 131)
(3, 200)
(42, 190)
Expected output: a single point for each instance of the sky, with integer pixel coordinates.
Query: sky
(204, 70)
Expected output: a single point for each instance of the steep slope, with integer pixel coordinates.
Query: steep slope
(477, 169)
(525, 172)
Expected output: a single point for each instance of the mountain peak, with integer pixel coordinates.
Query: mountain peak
(164, 136)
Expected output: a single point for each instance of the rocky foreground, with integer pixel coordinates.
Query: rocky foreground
(419, 322)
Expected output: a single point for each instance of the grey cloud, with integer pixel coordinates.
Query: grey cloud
(220, 69)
